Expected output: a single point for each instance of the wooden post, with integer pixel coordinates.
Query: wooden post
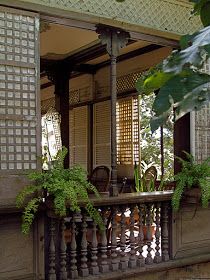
(59, 74)
(181, 140)
(114, 39)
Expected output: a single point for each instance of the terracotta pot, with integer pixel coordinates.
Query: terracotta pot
(152, 229)
(192, 196)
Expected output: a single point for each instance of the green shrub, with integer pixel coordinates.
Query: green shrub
(192, 175)
(66, 186)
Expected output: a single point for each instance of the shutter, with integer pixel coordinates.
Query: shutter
(79, 136)
(200, 129)
(19, 101)
(201, 132)
(102, 138)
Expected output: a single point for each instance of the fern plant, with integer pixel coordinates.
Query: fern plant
(192, 175)
(66, 186)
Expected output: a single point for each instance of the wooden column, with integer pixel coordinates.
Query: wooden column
(181, 140)
(59, 74)
(114, 39)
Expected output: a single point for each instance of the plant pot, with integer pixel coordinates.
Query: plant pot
(192, 196)
(152, 230)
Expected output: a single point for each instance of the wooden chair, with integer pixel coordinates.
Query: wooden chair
(150, 175)
(100, 178)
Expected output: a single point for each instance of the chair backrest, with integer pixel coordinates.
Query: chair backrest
(100, 178)
(150, 175)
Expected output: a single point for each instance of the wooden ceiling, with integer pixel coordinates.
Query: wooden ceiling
(80, 48)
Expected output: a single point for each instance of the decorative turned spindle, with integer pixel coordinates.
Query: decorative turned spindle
(123, 260)
(94, 269)
(114, 255)
(164, 232)
(132, 259)
(103, 248)
(52, 272)
(141, 259)
(63, 271)
(149, 214)
(84, 267)
(73, 253)
(157, 258)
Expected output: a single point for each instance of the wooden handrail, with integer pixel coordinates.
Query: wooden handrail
(132, 198)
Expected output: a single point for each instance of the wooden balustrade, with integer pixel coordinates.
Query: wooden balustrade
(136, 235)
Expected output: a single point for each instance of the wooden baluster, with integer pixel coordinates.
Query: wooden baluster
(132, 259)
(157, 258)
(123, 260)
(52, 272)
(94, 250)
(164, 231)
(63, 271)
(114, 256)
(149, 259)
(103, 248)
(84, 268)
(73, 273)
(68, 246)
(141, 260)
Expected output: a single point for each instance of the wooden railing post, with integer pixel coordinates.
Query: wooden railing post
(123, 258)
(52, 272)
(132, 259)
(84, 268)
(63, 271)
(149, 259)
(157, 258)
(104, 264)
(164, 232)
(141, 260)
(94, 250)
(114, 255)
(73, 273)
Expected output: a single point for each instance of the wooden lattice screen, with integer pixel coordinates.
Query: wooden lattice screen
(202, 128)
(79, 136)
(127, 131)
(19, 107)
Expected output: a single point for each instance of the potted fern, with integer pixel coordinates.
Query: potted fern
(193, 182)
(66, 188)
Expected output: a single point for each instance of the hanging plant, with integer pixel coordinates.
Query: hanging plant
(67, 188)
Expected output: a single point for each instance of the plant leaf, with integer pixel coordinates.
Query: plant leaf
(193, 55)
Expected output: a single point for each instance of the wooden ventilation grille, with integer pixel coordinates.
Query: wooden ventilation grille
(79, 95)
(127, 82)
(79, 136)
(19, 125)
(127, 131)
(47, 105)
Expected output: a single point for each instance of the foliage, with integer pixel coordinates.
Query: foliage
(179, 80)
(192, 175)
(141, 183)
(150, 143)
(66, 186)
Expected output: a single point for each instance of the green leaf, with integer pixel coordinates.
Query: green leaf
(194, 55)
(194, 101)
(185, 41)
(183, 92)
(157, 121)
(198, 5)
(153, 82)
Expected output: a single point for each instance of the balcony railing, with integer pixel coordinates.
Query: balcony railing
(136, 235)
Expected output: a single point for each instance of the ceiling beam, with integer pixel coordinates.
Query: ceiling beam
(130, 55)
